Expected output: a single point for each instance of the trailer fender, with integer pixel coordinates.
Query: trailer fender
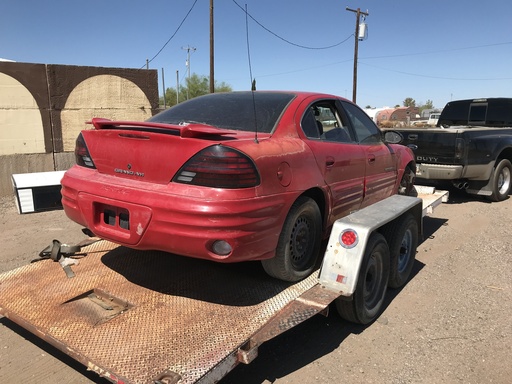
(349, 237)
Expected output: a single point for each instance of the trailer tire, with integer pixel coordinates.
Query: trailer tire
(368, 297)
(402, 238)
(501, 182)
(299, 243)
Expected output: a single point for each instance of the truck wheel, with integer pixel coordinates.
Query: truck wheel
(372, 282)
(406, 186)
(299, 242)
(402, 237)
(502, 180)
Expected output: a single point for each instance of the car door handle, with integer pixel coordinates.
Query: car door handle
(371, 159)
(329, 161)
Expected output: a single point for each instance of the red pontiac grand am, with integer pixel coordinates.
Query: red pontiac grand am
(235, 176)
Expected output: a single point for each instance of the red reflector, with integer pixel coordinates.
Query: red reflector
(348, 238)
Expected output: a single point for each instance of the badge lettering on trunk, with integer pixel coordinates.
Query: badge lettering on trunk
(129, 171)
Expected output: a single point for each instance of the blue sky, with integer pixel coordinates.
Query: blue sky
(435, 50)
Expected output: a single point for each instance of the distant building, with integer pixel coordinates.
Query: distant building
(373, 112)
(394, 117)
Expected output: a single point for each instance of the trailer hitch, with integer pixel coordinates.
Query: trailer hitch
(62, 253)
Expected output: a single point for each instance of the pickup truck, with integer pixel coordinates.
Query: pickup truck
(471, 146)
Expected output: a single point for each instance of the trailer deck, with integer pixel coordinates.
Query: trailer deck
(153, 317)
(139, 317)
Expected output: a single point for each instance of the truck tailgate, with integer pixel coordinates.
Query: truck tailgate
(434, 145)
(137, 317)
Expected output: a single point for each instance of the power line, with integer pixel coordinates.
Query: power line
(288, 41)
(174, 34)
(436, 77)
(438, 51)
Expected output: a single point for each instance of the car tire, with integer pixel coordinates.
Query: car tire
(402, 238)
(372, 282)
(406, 186)
(299, 243)
(501, 180)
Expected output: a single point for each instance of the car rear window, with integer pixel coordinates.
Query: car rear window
(241, 111)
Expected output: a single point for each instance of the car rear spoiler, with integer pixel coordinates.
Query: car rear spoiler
(187, 130)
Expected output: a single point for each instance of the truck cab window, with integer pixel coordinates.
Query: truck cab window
(477, 114)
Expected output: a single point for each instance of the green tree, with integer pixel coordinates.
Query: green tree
(428, 105)
(409, 102)
(194, 86)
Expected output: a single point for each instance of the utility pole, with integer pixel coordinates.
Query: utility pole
(177, 87)
(212, 80)
(163, 86)
(358, 13)
(188, 48)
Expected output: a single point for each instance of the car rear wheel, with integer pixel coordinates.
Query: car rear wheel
(299, 242)
(372, 281)
(406, 186)
(502, 180)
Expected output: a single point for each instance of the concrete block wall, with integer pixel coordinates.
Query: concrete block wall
(43, 108)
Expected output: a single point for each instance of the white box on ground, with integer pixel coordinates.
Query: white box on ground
(38, 191)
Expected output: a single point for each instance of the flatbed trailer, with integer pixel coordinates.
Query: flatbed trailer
(152, 317)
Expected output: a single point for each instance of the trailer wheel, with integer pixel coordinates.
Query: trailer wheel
(502, 180)
(402, 237)
(299, 242)
(366, 303)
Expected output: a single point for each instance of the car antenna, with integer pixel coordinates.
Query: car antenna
(253, 89)
(253, 81)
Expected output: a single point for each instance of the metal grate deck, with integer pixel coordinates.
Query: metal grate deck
(131, 315)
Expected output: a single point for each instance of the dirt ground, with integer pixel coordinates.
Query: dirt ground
(452, 322)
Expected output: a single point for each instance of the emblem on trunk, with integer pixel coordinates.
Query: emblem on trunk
(128, 171)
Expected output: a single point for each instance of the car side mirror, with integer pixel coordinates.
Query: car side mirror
(393, 137)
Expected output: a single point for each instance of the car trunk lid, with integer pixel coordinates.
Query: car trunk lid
(149, 152)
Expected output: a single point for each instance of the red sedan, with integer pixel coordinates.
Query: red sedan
(235, 176)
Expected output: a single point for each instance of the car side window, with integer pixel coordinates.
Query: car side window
(322, 121)
(365, 129)
(309, 125)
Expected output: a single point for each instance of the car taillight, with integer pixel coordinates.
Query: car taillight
(82, 156)
(219, 167)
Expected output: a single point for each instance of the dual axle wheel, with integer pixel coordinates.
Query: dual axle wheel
(388, 258)
(388, 261)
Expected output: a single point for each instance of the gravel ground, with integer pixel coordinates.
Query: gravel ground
(450, 324)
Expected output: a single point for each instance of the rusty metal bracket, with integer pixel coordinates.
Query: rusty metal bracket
(61, 253)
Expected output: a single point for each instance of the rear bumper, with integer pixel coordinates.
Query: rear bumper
(187, 225)
(478, 172)
(438, 171)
